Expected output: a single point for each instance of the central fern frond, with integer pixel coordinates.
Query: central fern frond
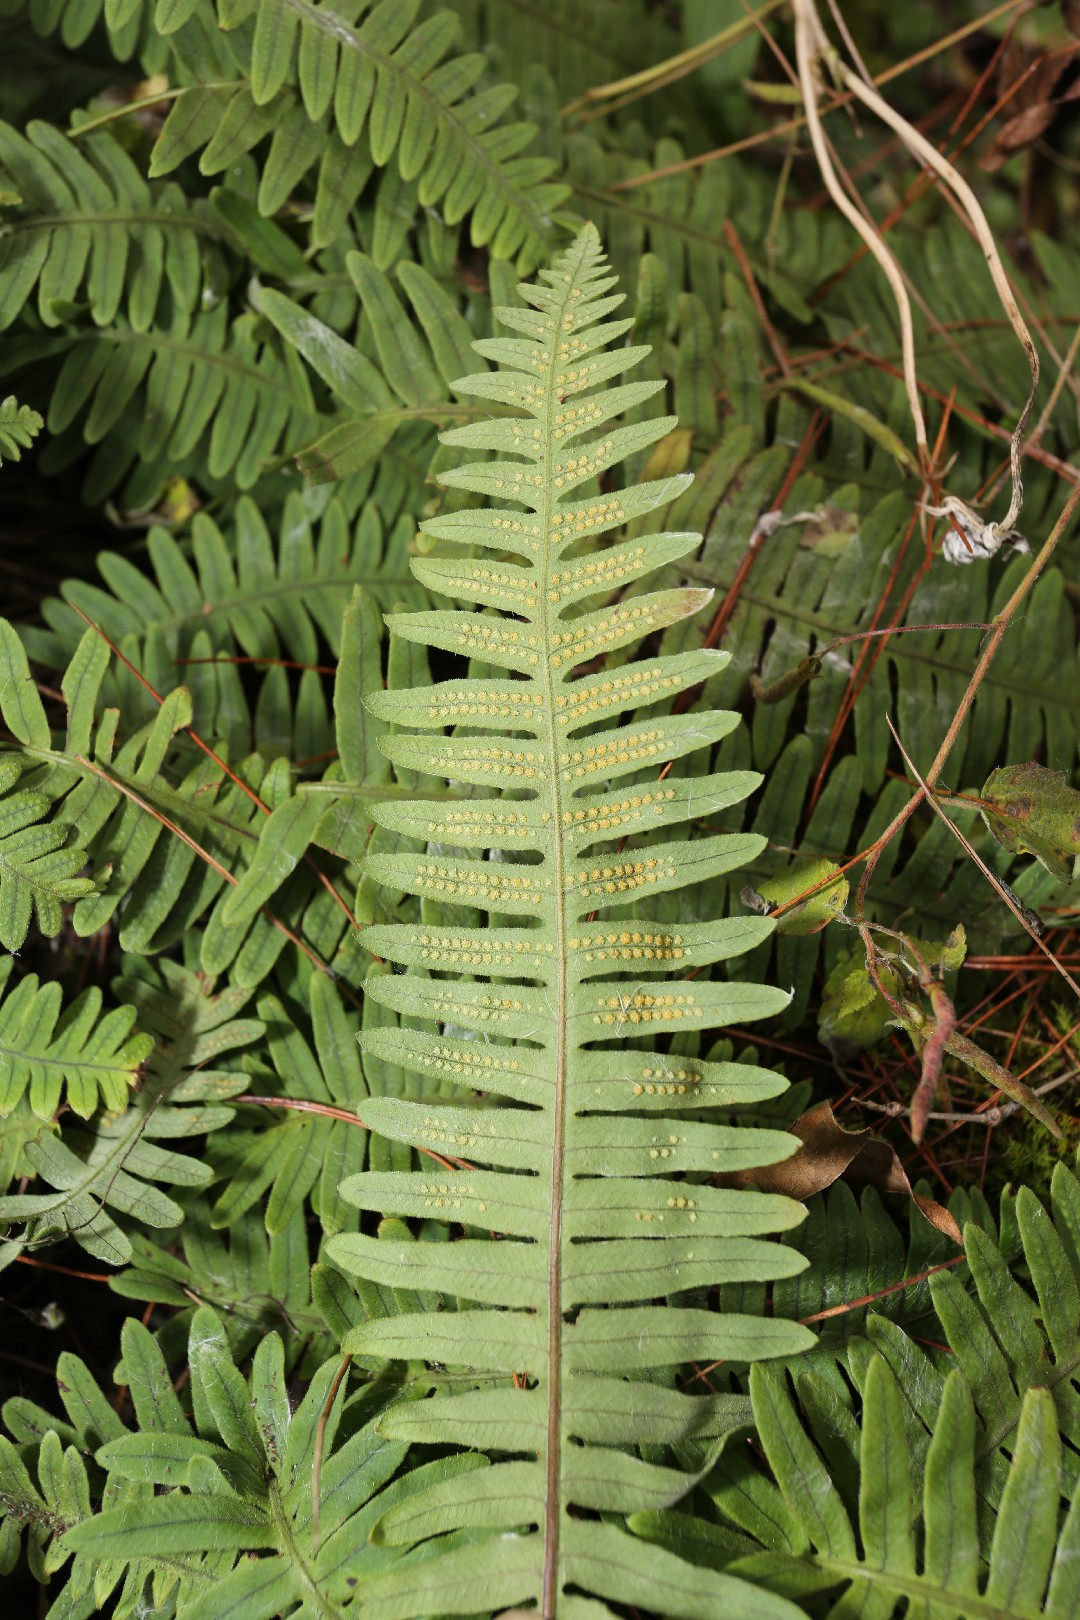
(596, 1151)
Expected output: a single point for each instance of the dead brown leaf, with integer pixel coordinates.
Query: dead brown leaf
(828, 1152)
(1036, 103)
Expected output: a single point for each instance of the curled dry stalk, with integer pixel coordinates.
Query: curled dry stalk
(812, 49)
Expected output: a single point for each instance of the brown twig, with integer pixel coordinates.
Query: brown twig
(317, 1455)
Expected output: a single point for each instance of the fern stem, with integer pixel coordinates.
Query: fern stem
(77, 131)
(287, 1542)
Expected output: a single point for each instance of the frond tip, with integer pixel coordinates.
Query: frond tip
(583, 1146)
(19, 426)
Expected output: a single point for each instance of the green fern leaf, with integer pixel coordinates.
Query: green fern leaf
(378, 70)
(111, 1173)
(1033, 1552)
(254, 1281)
(1008, 1338)
(151, 398)
(80, 1054)
(304, 1154)
(316, 81)
(242, 1484)
(208, 1488)
(39, 867)
(19, 426)
(250, 591)
(599, 1128)
(413, 380)
(88, 225)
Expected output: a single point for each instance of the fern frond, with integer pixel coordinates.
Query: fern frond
(104, 1176)
(174, 833)
(187, 1500)
(317, 80)
(90, 1059)
(857, 1250)
(44, 1510)
(416, 371)
(87, 225)
(600, 1129)
(242, 587)
(162, 35)
(254, 1281)
(810, 587)
(897, 1560)
(886, 1512)
(1009, 1334)
(378, 70)
(302, 1155)
(39, 864)
(19, 427)
(203, 387)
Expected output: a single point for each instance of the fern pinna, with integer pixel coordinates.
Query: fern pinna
(587, 1157)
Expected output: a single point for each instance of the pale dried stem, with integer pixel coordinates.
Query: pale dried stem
(810, 45)
(985, 1116)
(928, 154)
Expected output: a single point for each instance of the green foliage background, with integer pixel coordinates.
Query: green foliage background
(246, 248)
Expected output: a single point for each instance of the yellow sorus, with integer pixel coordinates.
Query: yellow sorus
(646, 1009)
(629, 946)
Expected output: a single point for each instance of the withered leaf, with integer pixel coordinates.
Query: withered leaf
(1042, 91)
(828, 1152)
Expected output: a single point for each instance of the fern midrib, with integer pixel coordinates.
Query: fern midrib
(210, 357)
(156, 792)
(287, 1541)
(268, 593)
(43, 1060)
(1063, 1371)
(972, 1606)
(553, 1487)
(331, 24)
(24, 874)
(183, 222)
(108, 1164)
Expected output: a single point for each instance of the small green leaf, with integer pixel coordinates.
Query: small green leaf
(802, 900)
(1033, 811)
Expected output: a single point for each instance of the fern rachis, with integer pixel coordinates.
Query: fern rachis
(596, 1131)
